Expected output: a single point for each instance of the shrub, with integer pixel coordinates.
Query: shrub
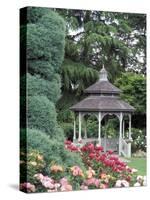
(35, 13)
(52, 150)
(41, 114)
(42, 68)
(68, 130)
(46, 40)
(139, 140)
(38, 86)
(30, 164)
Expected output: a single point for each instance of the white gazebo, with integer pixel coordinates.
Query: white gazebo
(104, 99)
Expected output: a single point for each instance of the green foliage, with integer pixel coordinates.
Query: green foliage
(133, 88)
(34, 163)
(68, 130)
(35, 13)
(45, 40)
(42, 68)
(76, 76)
(41, 114)
(45, 34)
(52, 149)
(113, 39)
(37, 86)
(139, 140)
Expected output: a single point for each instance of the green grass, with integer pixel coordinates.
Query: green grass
(139, 164)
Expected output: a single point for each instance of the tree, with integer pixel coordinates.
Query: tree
(94, 38)
(43, 36)
(133, 88)
(116, 40)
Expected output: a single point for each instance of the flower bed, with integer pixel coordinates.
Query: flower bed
(102, 170)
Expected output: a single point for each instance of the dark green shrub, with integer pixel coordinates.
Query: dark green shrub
(38, 86)
(51, 149)
(42, 68)
(35, 13)
(41, 114)
(38, 44)
(68, 130)
(46, 40)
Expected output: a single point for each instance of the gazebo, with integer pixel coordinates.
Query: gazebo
(104, 99)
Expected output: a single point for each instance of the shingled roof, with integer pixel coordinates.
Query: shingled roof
(104, 96)
(102, 87)
(102, 103)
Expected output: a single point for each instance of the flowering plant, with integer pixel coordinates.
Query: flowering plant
(107, 166)
(102, 170)
(32, 162)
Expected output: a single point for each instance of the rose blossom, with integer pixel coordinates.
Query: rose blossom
(56, 168)
(137, 184)
(92, 181)
(134, 170)
(66, 188)
(122, 183)
(63, 181)
(39, 176)
(139, 179)
(84, 187)
(76, 171)
(103, 186)
(28, 187)
(90, 173)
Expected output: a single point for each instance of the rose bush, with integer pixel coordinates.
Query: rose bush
(102, 170)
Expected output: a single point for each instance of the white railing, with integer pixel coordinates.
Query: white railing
(125, 148)
(110, 144)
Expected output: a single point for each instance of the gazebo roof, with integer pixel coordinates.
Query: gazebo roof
(102, 103)
(103, 87)
(104, 97)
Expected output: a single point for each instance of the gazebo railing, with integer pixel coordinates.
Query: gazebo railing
(110, 144)
(107, 143)
(125, 148)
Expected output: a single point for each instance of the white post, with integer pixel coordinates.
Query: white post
(74, 130)
(99, 128)
(129, 144)
(85, 131)
(123, 129)
(120, 134)
(129, 126)
(79, 137)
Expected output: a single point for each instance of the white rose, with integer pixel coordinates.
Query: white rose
(137, 184)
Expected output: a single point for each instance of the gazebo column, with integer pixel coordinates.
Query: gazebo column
(123, 127)
(80, 119)
(129, 126)
(85, 130)
(129, 137)
(120, 134)
(74, 129)
(99, 128)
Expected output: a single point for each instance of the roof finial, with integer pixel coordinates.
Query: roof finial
(103, 74)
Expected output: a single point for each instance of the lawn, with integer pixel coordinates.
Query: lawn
(139, 164)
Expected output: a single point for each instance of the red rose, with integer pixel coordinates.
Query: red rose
(90, 147)
(67, 142)
(92, 155)
(110, 152)
(99, 148)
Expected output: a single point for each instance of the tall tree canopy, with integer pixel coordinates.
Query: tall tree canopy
(116, 40)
